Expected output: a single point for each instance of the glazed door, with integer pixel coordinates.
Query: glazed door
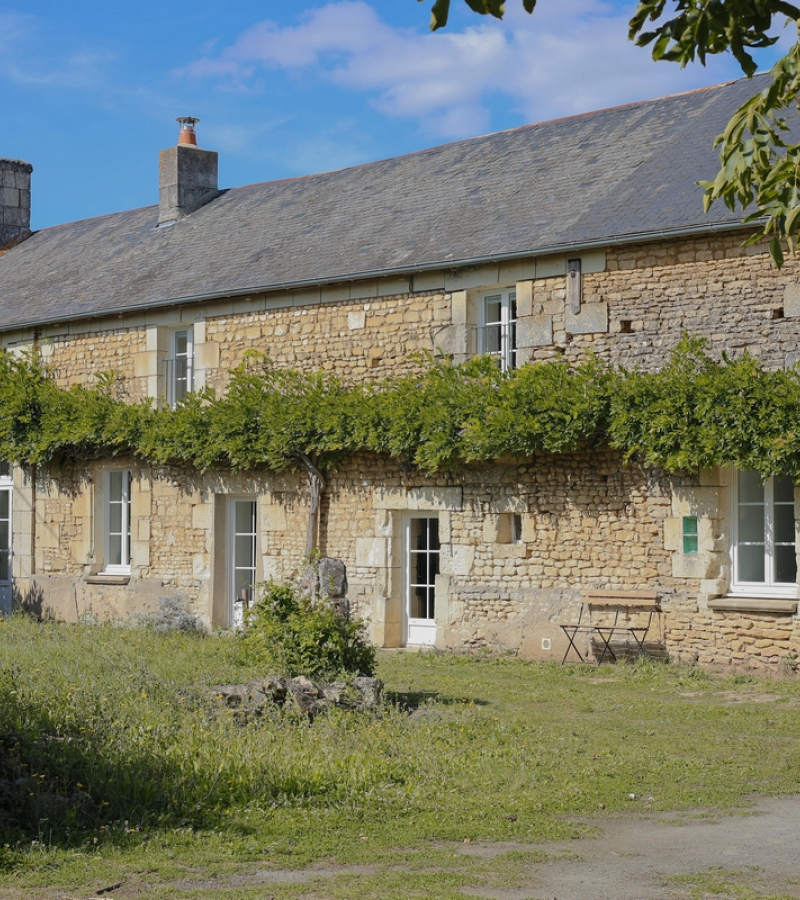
(421, 569)
(242, 557)
(5, 549)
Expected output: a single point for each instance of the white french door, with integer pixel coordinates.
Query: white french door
(5, 541)
(242, 557)
(421, 569)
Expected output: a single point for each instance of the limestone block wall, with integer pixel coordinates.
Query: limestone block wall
(179, 544)
(585, 521)
(635, 310)
(80, 358)
(357, 338)
(633, 304)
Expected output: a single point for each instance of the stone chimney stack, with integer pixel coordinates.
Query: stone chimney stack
(187, 175)
(15, 201)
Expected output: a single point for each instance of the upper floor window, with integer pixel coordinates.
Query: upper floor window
(497, 331)
(118, 522)
(764, 553)
(180, 365)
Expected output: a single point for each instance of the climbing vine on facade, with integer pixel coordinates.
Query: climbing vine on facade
(697, 412)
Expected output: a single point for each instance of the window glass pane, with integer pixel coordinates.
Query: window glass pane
(783, 490)
(783, 517)
(181, 343)
(115, 485)
(751, 490)
(4, 573)
(785, 565)
(419, 539)
(751, 524)
(5, 469)
(433, 534)
(244, 516)
(751, 563)
(243, 552)
(418, 603)
(243, 579)
(433, 568)
(493, 308)
(4, 535)
(420, 568)
(115, 518)
(493, 337)
(115, 550)
(4, 498)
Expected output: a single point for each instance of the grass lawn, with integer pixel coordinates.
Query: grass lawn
(117, 767)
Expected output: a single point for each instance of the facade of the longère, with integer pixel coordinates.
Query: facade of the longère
(584, 234)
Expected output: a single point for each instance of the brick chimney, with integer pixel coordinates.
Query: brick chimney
(15, 201)
(187, 175)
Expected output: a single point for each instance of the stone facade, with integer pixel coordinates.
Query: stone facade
(519, 539)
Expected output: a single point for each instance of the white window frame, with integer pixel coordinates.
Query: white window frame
(769, 587)
(174, 396)
(507, 354)
(124, 501)
(6, 487)
(420, 631)
(236, 609)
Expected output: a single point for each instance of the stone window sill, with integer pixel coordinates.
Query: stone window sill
(107, 579)
(785, 606)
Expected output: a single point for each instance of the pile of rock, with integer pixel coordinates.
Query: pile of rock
(305, 695)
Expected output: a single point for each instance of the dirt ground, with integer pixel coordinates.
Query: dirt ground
(670, 856)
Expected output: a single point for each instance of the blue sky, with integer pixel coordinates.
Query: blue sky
(288, 87)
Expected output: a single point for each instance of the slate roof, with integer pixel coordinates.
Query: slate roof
(581, 181)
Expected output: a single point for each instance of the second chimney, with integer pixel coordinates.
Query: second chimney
(187, 175)
(15, 201)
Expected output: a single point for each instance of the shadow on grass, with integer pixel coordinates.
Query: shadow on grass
(408, 701)
(59, 786)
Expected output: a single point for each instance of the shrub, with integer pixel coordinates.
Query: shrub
(296, 635)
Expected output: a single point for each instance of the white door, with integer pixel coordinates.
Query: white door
(421, 569)
(5, 539)
(242, 557)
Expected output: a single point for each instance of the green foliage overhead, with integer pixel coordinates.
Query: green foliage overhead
(441, 9)
(703, 27)
(758, 163)
(695, 413)
(291, 635)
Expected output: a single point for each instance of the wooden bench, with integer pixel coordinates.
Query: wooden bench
(608, 614)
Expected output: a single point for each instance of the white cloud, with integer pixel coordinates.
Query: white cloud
(22, 61)
(570, 56)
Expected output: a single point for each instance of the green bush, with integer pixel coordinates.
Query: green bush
(296, 635)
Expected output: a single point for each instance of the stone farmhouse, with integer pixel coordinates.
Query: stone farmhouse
(582, 234)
